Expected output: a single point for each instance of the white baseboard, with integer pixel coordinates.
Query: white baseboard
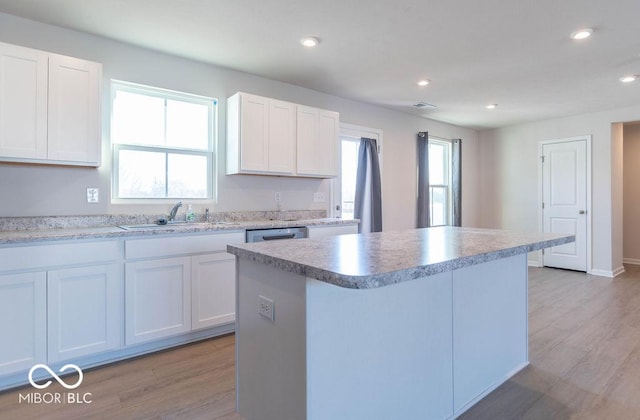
(601, 273)
(607, 273)
(618, 271)
(631, 261)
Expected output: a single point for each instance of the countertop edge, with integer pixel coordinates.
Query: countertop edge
(8, 238)
(385, 279)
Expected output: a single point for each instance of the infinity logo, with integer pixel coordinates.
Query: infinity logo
(56, 377)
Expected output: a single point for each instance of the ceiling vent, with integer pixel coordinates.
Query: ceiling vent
(424, 105)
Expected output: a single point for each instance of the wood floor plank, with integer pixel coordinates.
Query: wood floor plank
(584, 351)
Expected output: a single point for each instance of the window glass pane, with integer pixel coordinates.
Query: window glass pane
(187, 176)
(438, 206)
(137, 119)
(187, 125)
(141, 174)
(349, 171)
(437, 166)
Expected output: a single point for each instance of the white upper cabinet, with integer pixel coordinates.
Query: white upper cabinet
(260, 135)
(23, 102)
(271, 137)
(317, 135)
(74, 104)
(49, 108)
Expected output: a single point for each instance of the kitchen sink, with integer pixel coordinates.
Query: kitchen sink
(157, 226)
(172, 225)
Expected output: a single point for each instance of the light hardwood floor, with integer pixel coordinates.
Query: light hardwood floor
(584, 350)
(195, 381)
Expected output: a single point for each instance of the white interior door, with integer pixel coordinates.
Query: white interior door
(564, 198)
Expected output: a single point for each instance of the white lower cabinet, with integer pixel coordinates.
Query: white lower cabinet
(58, 301)
(84, 311)
(23, 321)
(178, 284)
(157, 299)
(324, 231)
(213, 290)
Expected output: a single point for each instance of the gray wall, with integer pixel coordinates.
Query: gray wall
(47, 190)
(509, 178)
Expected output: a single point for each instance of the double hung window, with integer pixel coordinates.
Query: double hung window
(163, 143)
(440, 209)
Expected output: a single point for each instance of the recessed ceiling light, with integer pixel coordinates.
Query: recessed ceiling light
(309, 41)
(492, 106)
(582, 33)
(628, 79)
(424, 82)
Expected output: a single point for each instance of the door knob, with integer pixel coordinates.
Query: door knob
(582, 212)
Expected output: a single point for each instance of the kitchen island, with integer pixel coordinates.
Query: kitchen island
(413, 324)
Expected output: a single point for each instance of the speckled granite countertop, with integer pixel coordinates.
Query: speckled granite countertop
(34, 230)
(380, 259)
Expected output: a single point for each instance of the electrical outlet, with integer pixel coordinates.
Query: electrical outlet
(93, 195)
(318, 197)
(278, 197)
(266, 307)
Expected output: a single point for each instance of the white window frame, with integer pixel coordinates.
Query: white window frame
(447, 165)
(209, 153)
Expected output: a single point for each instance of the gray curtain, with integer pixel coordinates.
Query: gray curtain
(368, 200)
(423, 180)
(456, 181)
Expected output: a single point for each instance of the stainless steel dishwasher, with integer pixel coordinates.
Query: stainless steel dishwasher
(274, 234)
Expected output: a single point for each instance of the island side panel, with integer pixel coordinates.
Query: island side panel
(383, 353)
(270, 354)
(489, 327)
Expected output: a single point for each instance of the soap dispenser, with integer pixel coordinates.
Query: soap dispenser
(191, 216)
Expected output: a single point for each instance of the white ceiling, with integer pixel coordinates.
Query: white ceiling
(516, 53)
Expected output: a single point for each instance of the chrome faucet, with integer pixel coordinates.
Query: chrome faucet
(174, 211)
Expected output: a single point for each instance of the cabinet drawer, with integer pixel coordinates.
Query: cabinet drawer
(316, 232)
(180, 245)
(59, 254)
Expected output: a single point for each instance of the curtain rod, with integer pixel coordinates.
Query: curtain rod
(440, 138)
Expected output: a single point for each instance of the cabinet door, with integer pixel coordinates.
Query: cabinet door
(23, 102)
(213, 290)
(254, 133)
(307, 138)
(74, 110)
(282, 136)
(23, 321)
(84, 311)
(157, 299)
(327, 146)
(317, 141)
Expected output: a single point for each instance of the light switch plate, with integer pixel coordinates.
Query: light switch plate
(93, 195)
